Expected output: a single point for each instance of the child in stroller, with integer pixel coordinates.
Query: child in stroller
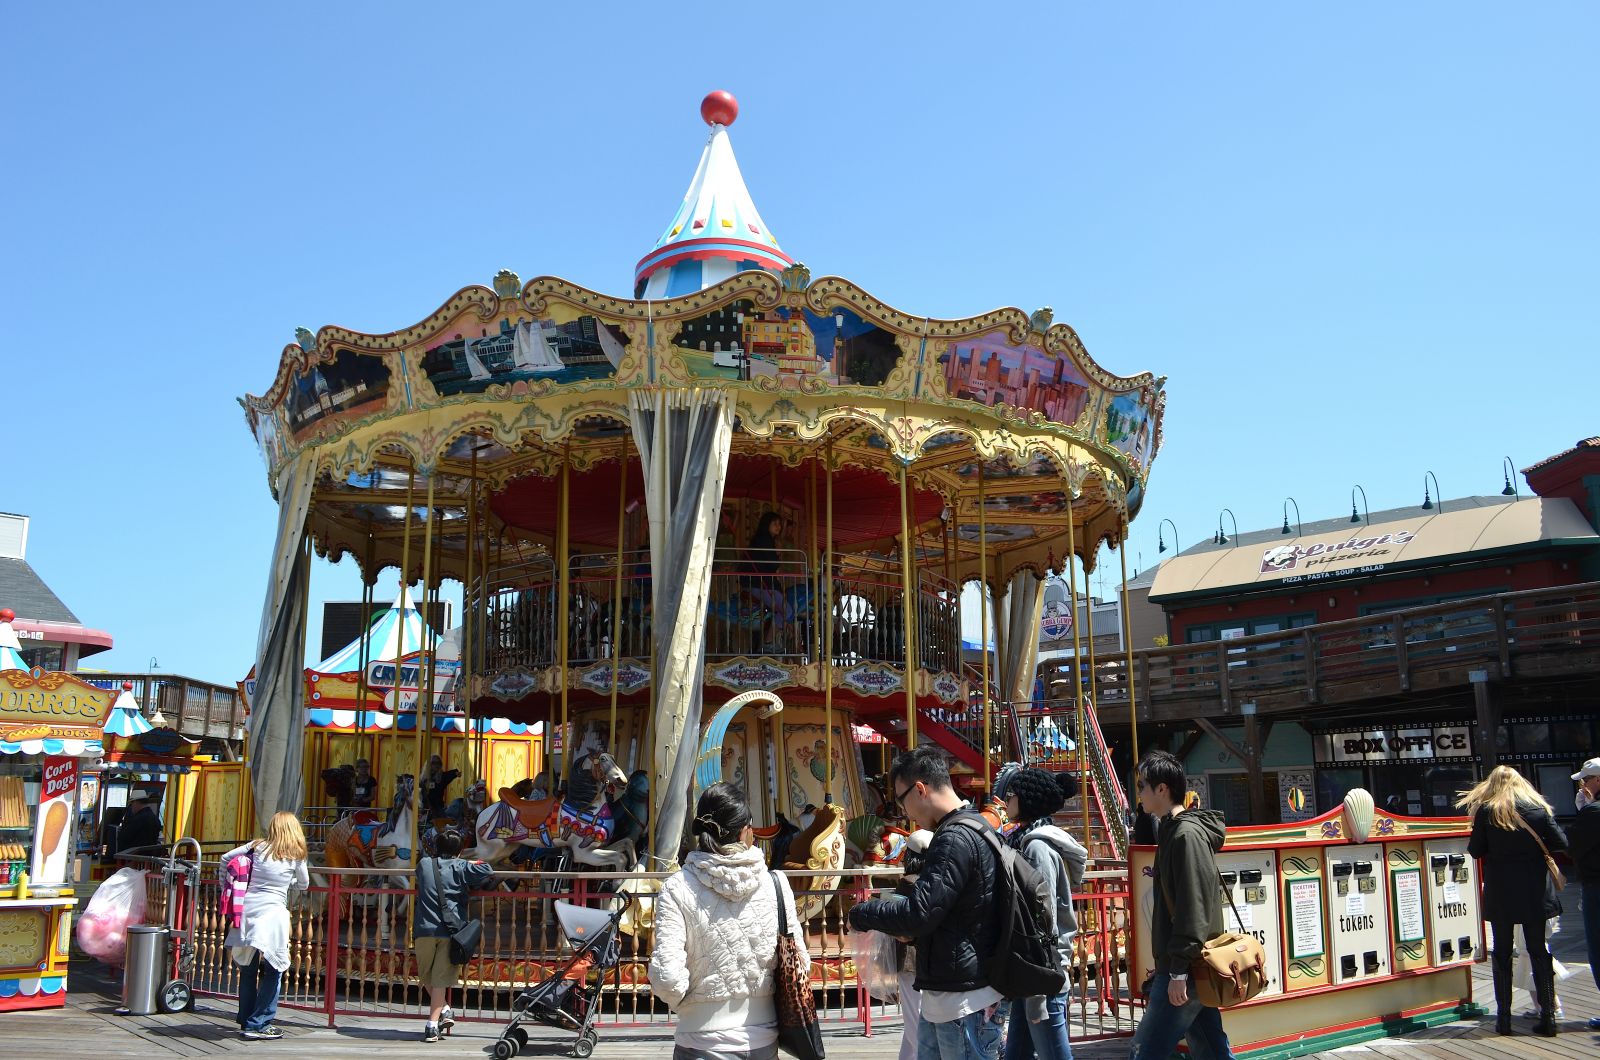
(568, 998)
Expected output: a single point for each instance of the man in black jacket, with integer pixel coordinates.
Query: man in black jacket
(1186, 913)
(949, 913)
(1583, 841)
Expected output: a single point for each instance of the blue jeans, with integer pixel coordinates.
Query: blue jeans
(258, 994)
(1591, 927)
(972, 1037)
(1162, 1026)
(1046, 1039)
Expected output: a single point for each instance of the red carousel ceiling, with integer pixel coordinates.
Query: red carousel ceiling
(866, 503)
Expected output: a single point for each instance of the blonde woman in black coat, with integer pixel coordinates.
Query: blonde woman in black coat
(1507, 813)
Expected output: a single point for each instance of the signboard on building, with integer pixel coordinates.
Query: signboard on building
(39, 704)
(1394, 745)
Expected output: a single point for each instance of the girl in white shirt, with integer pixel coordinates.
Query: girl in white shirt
(261, 942)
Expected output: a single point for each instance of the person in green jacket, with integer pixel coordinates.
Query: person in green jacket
(1187, 911)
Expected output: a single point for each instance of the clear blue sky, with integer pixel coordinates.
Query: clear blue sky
(1360, 240)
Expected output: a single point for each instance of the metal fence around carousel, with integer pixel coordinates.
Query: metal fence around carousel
(346, 959)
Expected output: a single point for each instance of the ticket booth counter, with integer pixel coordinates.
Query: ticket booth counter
(1369, 920)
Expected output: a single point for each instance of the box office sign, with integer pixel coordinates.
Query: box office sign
(1395, 745)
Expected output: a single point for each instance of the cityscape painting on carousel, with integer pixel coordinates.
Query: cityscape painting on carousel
(990, 370)
(739, 341)
(348, 387)
(1131, 424)
(525, 351)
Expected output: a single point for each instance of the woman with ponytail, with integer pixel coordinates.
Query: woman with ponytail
(717, 937)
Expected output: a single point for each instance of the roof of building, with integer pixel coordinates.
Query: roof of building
(717, 230)
(1586, 443)
(23, 591)
(1394, 538)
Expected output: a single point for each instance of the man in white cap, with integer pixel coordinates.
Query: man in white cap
(1583, 840)
(1588, 779)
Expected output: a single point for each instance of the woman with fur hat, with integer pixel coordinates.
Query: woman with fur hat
(1038, 1025)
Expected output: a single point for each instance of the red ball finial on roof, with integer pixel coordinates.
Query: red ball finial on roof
(127, 686)
(719, 108)
(7, 615)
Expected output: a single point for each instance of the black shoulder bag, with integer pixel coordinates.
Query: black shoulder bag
(464, 937)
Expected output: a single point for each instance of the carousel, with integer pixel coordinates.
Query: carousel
(742, 479)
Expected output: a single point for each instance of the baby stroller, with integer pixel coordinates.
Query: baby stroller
(569, 997)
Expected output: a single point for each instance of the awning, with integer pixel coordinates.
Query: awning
(1366, 550)
(120, 764)
(50, 746)
(378, 721)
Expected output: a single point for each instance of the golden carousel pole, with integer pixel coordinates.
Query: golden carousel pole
(908, 589)
(983, 621)
(420, 742)
(364, 655)
(616, 592)
(1127, 643)
(828, 622)
(562, 609)
(1077, 671)
(405, 602)
(468, 641)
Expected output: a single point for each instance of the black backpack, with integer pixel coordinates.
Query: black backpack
(1024, 962)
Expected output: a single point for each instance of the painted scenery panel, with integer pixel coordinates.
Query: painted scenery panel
(352, 385)
(1131, 425)
(991, 370)
(739, 341)
(525, 350)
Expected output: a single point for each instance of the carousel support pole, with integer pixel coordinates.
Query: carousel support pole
(1127, 643)
(983, 622)
(827, 617)
(405, 602)
(1093, 695)
(1077, 673)
(811, 558)
(420, 742)
(563, 611)
(616, 592)
(908, 589)
(366, 644)
(468, 641)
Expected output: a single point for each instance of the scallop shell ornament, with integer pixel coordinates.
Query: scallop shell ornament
(1358, 814)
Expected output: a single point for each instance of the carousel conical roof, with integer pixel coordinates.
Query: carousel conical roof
(717, 231)
(10, 646)
(399, 632)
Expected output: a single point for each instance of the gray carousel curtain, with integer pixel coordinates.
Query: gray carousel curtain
(277, 725)
(1016, 640)
(683, 437)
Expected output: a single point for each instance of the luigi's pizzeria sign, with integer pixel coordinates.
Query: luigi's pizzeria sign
(39, 704)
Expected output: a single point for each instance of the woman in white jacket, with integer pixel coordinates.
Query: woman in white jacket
(717, 937)
(261, 942)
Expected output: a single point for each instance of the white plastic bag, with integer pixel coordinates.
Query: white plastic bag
(117, 904)
(878, 964)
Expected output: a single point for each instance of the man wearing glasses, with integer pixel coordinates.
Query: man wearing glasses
(949, 913)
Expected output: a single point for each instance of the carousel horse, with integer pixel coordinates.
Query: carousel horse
(365, 840)
(820, 848)
(554, 823)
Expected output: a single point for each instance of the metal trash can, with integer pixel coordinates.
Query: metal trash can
(146, 970)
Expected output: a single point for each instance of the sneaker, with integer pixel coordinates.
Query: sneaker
(430, 1033)
(447, 1019)
(265, 1034)
(1594, 1023)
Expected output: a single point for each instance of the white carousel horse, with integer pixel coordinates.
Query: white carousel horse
(551, 824)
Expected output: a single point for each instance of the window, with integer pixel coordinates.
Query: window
(1251, 626)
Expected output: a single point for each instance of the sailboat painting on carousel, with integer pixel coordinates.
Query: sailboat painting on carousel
(585, 348)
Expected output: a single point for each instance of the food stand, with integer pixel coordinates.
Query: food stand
(49, 724)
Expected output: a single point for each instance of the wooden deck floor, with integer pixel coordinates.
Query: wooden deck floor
(89, 1026)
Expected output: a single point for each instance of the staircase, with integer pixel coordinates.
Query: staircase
(1049, 730)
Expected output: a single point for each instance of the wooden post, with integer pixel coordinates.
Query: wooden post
(1255, 781)
(1488, 720)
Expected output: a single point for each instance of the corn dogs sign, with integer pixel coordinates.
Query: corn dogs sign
(53, 834)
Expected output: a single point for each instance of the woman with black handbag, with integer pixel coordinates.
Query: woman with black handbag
(1514, 835)
(441, 930)
(717, 955)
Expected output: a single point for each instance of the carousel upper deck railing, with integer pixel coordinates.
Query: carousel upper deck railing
(758, 608)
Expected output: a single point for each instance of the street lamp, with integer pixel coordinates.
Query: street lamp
(1161, 542)
(156, 718)
(1301, 531)
(1222, 538)
(1511, 489)
(1427, 499)
(1355, 516)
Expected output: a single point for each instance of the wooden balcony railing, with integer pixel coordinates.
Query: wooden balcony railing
(1541, 632)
